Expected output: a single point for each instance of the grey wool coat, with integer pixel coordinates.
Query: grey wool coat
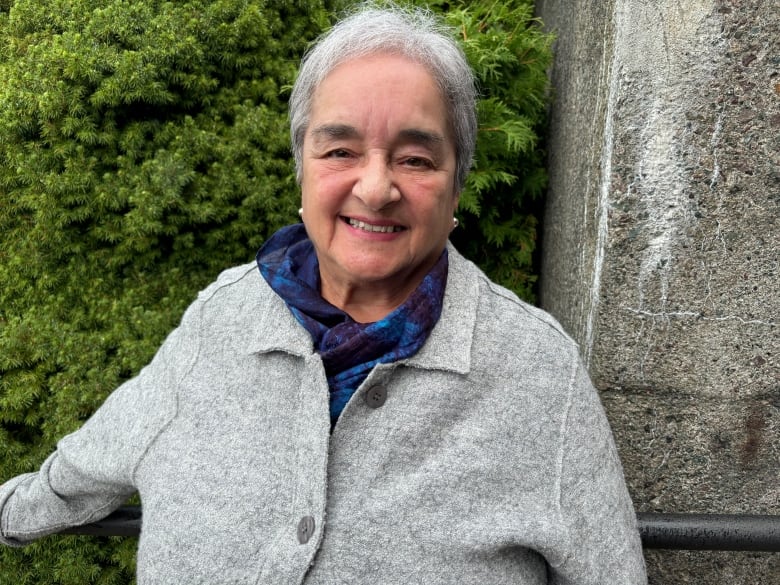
(484, 459)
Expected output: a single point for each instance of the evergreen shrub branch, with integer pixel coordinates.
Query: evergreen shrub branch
(144, 148)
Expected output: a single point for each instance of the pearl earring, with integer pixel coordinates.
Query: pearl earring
(300, 213)
(455, 222)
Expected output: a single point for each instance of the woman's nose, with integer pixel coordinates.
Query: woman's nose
(375, 186)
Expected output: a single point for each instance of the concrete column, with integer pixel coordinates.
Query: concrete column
(661, 250)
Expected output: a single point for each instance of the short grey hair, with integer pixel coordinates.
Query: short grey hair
(413, 33)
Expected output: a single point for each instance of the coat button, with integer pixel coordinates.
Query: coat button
(305, 529)
(376, 396)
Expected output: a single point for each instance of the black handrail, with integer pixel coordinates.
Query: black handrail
(710, 531)
(126, 521)
(668, 531)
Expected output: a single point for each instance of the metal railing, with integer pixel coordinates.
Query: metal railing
(710, 531)
(668, 531)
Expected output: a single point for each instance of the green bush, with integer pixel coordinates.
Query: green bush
(143, 149)
(510, 55)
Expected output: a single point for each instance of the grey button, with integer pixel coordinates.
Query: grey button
(305, 529)
(376, 396)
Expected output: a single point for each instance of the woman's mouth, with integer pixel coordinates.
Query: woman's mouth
(368, 227)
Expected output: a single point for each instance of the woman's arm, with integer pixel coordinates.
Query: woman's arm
(92, 471)
(594, 502)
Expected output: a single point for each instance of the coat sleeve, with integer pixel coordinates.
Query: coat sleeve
(603, 540)
(91, 473)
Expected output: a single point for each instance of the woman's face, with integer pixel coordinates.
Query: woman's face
(378, 183)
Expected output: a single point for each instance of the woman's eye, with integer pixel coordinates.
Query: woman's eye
(338, 153)
(417, 162)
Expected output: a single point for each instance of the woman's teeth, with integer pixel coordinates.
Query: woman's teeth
(361, 225)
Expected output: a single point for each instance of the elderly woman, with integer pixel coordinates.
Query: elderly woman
(362, 405)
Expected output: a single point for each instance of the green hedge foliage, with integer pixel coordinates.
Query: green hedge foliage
(143, 149)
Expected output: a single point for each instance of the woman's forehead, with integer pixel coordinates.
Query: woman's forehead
(379, 90)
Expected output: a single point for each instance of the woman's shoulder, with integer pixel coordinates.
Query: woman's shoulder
(231, 281)
(237, 294)
(502, 318)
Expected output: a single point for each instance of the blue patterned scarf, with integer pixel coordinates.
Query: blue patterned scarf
(349, 350)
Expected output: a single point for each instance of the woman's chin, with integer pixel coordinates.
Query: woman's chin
(375, 273)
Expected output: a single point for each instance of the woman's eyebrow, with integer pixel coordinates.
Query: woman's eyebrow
(432, 140)
(334, 131)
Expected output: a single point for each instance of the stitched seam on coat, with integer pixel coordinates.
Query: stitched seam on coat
(175, 391)
(529, 310)
(563, 431)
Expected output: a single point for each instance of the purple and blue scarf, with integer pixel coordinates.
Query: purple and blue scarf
(349, 350)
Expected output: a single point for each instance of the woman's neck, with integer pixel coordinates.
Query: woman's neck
(366, 303)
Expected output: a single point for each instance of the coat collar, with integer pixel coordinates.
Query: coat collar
(448, 347)
(449, 344)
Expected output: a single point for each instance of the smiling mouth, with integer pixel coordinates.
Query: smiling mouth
(367, 227)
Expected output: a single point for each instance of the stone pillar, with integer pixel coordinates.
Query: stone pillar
(661, 250)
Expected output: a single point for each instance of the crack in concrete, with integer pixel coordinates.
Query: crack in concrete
(669, 315)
